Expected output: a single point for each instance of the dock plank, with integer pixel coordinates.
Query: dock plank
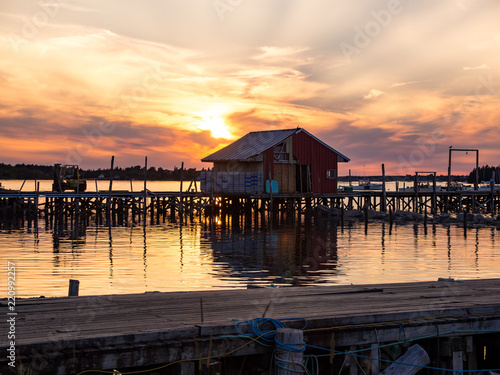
(122, 322)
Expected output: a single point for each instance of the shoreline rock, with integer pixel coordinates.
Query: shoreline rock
(409, 216)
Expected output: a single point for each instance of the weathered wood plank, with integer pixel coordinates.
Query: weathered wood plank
(125, 325)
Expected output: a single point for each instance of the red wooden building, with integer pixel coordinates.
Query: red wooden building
(296, 159)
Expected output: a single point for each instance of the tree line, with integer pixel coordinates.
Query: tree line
(46, 172)
(485, 173)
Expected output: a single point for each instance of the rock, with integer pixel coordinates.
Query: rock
(478, 219)
(468, 216)
(328, 211)
(372, 214)
(489, 220)
(353, 213)
(418, 217)
(445, 218)
(404, 215)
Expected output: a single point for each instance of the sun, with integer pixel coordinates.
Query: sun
(216, 125)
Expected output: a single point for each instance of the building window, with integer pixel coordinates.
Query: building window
(331, 174)
(280, 153)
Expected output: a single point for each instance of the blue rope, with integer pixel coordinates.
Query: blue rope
(266, 335)
(296, 348)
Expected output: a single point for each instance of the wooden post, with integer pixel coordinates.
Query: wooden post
(290, 362)
(471, 353)
(492, 188)
(458, 361)
(181, 199)
(433, 209)
(74, 286)
(415, 188)
(375, 363)
(36, 205)
(145, 207)
(352, 362)
(415, 356)
(449, 170)
(108, 203)
(384, 194)
(476, 182)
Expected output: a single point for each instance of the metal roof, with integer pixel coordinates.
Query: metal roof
(255, 143)
(250, 145)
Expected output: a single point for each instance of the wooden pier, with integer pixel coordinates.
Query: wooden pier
(350, 329)
(123, 208)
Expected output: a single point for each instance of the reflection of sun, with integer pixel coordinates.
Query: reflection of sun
(213, 121)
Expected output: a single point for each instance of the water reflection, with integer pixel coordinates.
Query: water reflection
(110, 242)
(180, 256)
(302, 254)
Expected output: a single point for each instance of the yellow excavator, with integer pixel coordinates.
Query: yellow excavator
(67, 177)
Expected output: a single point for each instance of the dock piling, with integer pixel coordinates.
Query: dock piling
(290, 351)
(74, 286)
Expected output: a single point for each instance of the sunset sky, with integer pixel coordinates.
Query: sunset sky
(394, 82)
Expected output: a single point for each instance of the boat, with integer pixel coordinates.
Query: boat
(366, 185)
(423, 187)
(487, 187)
(457, 186)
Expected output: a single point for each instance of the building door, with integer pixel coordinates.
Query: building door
(303, 179)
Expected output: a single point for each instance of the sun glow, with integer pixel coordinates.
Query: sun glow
(216, 125)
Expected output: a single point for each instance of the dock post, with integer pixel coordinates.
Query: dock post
(351, 362)
(383, 202)
(145, 206)
(289, 351)
(108, 201)
(375, 355)
(471, 353)
(492, 192)
(433, 204)
(181, 199)
(416, 205)
(74, 286)
(458, 361)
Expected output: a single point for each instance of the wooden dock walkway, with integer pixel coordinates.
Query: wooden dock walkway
(71, 335)
(123, 208)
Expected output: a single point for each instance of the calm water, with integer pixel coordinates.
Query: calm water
(96, 185)
(174, 257)
(171, 257)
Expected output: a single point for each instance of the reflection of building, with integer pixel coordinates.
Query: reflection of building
(294, 158)
(306, 253)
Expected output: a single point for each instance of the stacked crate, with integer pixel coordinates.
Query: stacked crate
(232, 182)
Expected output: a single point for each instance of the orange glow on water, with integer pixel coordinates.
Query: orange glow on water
(171, 257)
